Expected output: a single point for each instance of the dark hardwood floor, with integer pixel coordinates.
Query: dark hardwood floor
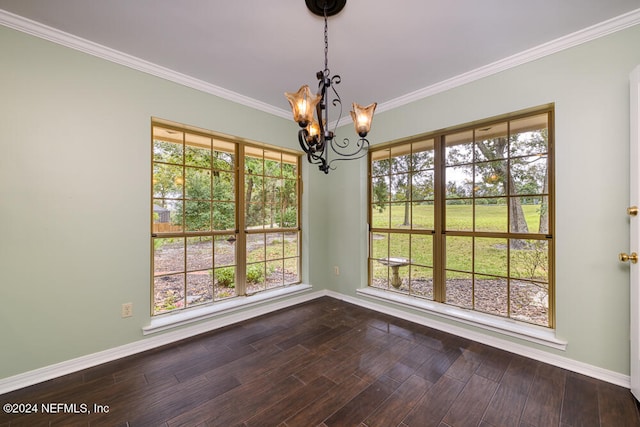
(326, 363)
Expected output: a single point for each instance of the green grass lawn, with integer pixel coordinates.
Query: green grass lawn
(491, 255)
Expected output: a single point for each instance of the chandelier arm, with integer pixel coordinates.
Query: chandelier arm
(362, 147)
(353, 156)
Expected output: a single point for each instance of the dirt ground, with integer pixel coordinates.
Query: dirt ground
(528, 302)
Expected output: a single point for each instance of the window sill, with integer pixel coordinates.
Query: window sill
(513, 328)
(184, 317)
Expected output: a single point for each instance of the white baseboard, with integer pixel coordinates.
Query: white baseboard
(83, 362)
(73, 365)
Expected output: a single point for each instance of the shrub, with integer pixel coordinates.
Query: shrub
(255, 273)
(225, 277)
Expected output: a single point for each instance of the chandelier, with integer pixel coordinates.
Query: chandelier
(315, 138)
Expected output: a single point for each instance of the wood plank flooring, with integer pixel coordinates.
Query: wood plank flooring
(326, 363)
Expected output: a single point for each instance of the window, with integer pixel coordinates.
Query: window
(465, 217)
(198, 208)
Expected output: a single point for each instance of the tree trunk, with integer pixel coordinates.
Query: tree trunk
(544, 206)
(517, 221)
(248, 198)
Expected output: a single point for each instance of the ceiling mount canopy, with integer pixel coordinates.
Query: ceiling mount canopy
(333, 6)
(311, 112)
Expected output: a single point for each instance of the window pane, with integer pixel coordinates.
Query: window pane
(197, 184)
(256, 249)
(289, 170)
(459, 215)
(401, 158)
(459, 250)
(225, 250)
(224, 216)
(198, 151)
(275, 245)
(380, 245)
(167, 145)
(459, 289)
(492, 215)
(380, 191)
(529, 215)
(400, 187)
(400, 215)
(529, 175)
(459, 181)
(381, 164)
(167, 181)
(199, 287)
(224, 160)
(529, 135)
(490, 256)
(491, 142)
(289, 198)
(275, 274)
(422, 249)
(291, 246)
(529, 259)
(223, 186)
(168, 255)
(291, 274)
(380, 275)
(272, 164)
(168, 293)
(421, 281)
(199, 253)
(490, 179)
(399, 245)
(272, 212)
(254, 215)
(253, 162)
(197, 215)
(423, 155)
(224, 282)
(167, 216)
(459, 148)
(422, 215)
(380, 215)
(422, 185)
(256, 277)
(490, 295)
(530, 302)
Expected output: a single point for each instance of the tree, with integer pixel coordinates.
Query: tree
(406, 169)
(497, 149)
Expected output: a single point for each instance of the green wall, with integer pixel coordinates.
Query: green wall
(589, 85)
(74, 191)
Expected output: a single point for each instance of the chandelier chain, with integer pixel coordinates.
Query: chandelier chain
(326, 41)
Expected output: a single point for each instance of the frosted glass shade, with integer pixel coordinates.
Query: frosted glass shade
(362, 117)
(303, 103)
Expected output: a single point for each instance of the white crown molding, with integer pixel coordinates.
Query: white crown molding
(45, 32)
(579, 37)
(37, 29)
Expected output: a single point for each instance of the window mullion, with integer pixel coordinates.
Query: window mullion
(439, 209)
(241, 235)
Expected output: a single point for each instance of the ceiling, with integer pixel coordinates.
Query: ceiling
(254, 51)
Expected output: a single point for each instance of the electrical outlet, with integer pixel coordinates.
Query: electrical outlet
(336, 270)
(127, 309)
